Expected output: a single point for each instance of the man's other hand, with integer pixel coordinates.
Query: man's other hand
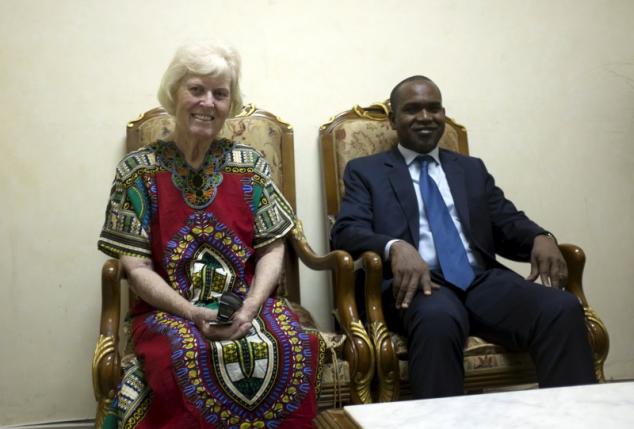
(547, 262)
(409, 272)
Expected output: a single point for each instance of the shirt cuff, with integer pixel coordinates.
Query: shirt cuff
(386, 251)
(549, 235)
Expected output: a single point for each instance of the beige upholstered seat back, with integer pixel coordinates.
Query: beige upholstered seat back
(257, 128)
(363, 131)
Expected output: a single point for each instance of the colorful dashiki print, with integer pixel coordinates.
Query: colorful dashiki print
(200, 228)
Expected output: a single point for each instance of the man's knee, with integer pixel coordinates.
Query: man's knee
(438, 325)
(564, 308)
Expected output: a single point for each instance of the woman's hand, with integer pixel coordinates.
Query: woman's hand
(153, 289)
(247, 312)
(201, 316)
(268, 266)
(239, 327)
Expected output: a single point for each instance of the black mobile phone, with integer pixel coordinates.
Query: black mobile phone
(228, 304)
(219, 322)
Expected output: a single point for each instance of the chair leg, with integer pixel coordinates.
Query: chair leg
(102, 409)
(360, 353)
(387, 365)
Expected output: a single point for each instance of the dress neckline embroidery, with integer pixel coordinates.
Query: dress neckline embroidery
(198, 186)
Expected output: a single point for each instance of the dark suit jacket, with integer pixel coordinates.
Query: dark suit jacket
(379, 204)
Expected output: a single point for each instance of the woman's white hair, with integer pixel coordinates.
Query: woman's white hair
(201, 58)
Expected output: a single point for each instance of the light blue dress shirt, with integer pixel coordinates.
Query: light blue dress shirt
(426, 241)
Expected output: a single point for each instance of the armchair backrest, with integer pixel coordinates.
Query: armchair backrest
(363, 131)
(260, 129)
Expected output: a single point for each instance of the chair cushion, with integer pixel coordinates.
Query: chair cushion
(479, 355)
(334, 389)
(156, 128)
(262, 134)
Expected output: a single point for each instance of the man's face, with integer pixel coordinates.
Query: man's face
(418, 117)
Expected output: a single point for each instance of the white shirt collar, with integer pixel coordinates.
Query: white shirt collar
(411, 155)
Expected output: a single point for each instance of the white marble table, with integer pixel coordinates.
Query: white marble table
(601, 406)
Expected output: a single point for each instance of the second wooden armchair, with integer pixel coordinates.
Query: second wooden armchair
(365, 131)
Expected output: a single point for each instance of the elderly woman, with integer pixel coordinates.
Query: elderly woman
(193, 219)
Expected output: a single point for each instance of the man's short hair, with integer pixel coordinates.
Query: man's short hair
(393, 97)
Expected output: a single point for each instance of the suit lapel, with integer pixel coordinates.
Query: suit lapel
(401, 182)
(456, 180)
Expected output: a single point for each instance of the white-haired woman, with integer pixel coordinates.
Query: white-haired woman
(198, 226)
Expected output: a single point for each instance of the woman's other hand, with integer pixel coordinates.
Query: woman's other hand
(239, 327)
(267, 271)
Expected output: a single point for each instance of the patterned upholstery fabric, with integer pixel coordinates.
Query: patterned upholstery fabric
(263, 135)
(154, 129)
(335, 376)
(479, 356)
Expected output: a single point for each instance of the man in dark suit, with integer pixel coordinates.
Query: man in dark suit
(438, 220)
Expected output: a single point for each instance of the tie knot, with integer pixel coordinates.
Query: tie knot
(425, 160)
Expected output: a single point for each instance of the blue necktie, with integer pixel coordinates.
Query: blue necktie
(449, 249)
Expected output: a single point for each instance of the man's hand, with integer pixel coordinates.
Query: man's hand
(547, 262)
(410, 273)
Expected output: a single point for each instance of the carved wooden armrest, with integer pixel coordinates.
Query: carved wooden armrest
(597, 332)
(576, 260)
(372, 265)
(358, 350)
(336, 260)
(106, 365)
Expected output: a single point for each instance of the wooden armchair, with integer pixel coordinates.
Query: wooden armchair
(364, 131)
(345, 379)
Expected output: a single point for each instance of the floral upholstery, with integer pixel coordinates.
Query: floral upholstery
(154, 128)
(265, 136)
(479, 357)
(335, 376)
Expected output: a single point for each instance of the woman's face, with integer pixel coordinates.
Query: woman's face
(202, 105)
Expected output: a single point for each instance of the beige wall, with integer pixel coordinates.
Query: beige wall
(546, 89)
